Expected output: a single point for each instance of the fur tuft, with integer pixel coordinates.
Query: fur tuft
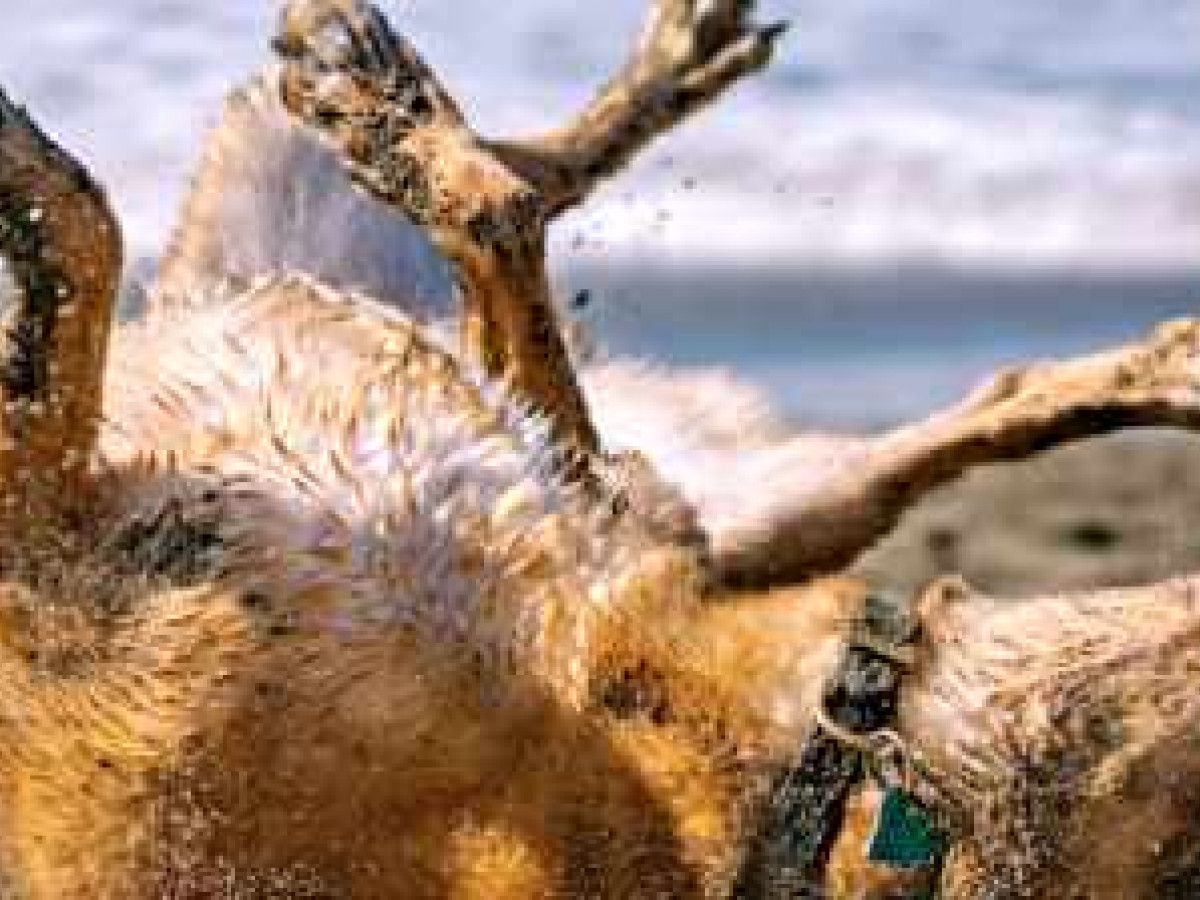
(270, 197)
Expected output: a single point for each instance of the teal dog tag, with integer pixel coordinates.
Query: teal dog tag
(904, 837)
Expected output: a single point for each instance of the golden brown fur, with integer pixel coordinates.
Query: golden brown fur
(317, 613)
(310, 607)
(301, 650)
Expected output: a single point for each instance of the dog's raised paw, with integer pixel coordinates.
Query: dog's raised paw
(343, 64)
(336, 35)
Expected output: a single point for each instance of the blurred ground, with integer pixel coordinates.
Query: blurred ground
(1114, 511)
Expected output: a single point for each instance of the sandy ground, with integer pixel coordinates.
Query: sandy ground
(1114, 511)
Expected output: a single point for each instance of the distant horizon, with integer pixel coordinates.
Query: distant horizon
(863, 350)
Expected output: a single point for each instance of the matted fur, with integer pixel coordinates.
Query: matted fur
(312, 608)
(351, 636)
(1062, 735)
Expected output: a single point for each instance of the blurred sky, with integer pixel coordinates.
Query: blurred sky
(1034, 133)
(1033, 139)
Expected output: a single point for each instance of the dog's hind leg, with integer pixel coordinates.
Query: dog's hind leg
(688, 55)
(349, 76)
(61, 249)
(487, 204)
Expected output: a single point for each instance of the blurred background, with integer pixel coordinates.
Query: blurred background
(917, 192)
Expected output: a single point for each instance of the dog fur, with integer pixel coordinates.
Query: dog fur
(312, 607)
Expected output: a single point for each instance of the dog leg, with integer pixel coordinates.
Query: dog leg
(61, 248)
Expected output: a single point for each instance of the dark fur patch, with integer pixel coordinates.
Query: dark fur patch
(638, 691)
(44, 284)
(43, 287)
(179, 542)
